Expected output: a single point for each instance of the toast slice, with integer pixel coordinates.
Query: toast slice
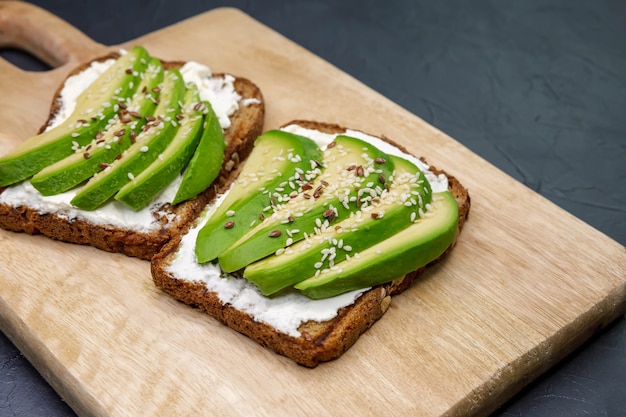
(314, 341)
(68, 225)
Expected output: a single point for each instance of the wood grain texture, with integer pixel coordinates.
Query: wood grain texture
(526, 284)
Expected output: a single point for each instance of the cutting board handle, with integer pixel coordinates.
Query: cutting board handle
(51, 39)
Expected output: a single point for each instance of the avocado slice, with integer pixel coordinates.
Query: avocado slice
(280, 164)
(404, 202)
(149, 144)
(406, 251)
(94, 107)
(206, 161)
(108, 144)
(145, 186)
(355, 173)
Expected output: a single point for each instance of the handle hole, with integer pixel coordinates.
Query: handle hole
(24, 60)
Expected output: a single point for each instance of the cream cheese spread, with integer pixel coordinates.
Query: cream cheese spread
(72, 88)
(288, 310)
(284, 312)
(220, 92)
(438, 183)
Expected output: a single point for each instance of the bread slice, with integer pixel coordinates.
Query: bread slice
(317, 341)
(246, 125)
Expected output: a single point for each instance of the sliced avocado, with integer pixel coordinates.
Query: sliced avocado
(355, 173)
(280, 164)
(149, 144)
(404, 202)
(108, 144)
(406, 251)
(94, 107)
(152, 180)
(206, 162)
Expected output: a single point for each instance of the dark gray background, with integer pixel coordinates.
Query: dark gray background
(538, 88)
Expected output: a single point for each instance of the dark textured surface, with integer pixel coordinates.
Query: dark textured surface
(538, 88)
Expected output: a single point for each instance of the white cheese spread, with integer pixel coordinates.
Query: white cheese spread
(284, 312)
(438, 183)
(288, 310)
(72, 88)
(220, 92)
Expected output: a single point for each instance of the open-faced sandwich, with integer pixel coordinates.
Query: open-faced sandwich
(297, 237)
(304, 250)
(132, 151)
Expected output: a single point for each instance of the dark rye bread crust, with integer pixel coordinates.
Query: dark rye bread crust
(246, 125)
(319, 341)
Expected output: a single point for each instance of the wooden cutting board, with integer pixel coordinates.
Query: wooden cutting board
(526, 284)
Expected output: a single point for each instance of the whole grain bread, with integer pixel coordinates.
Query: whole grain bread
(319, 341)
(246, 125)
